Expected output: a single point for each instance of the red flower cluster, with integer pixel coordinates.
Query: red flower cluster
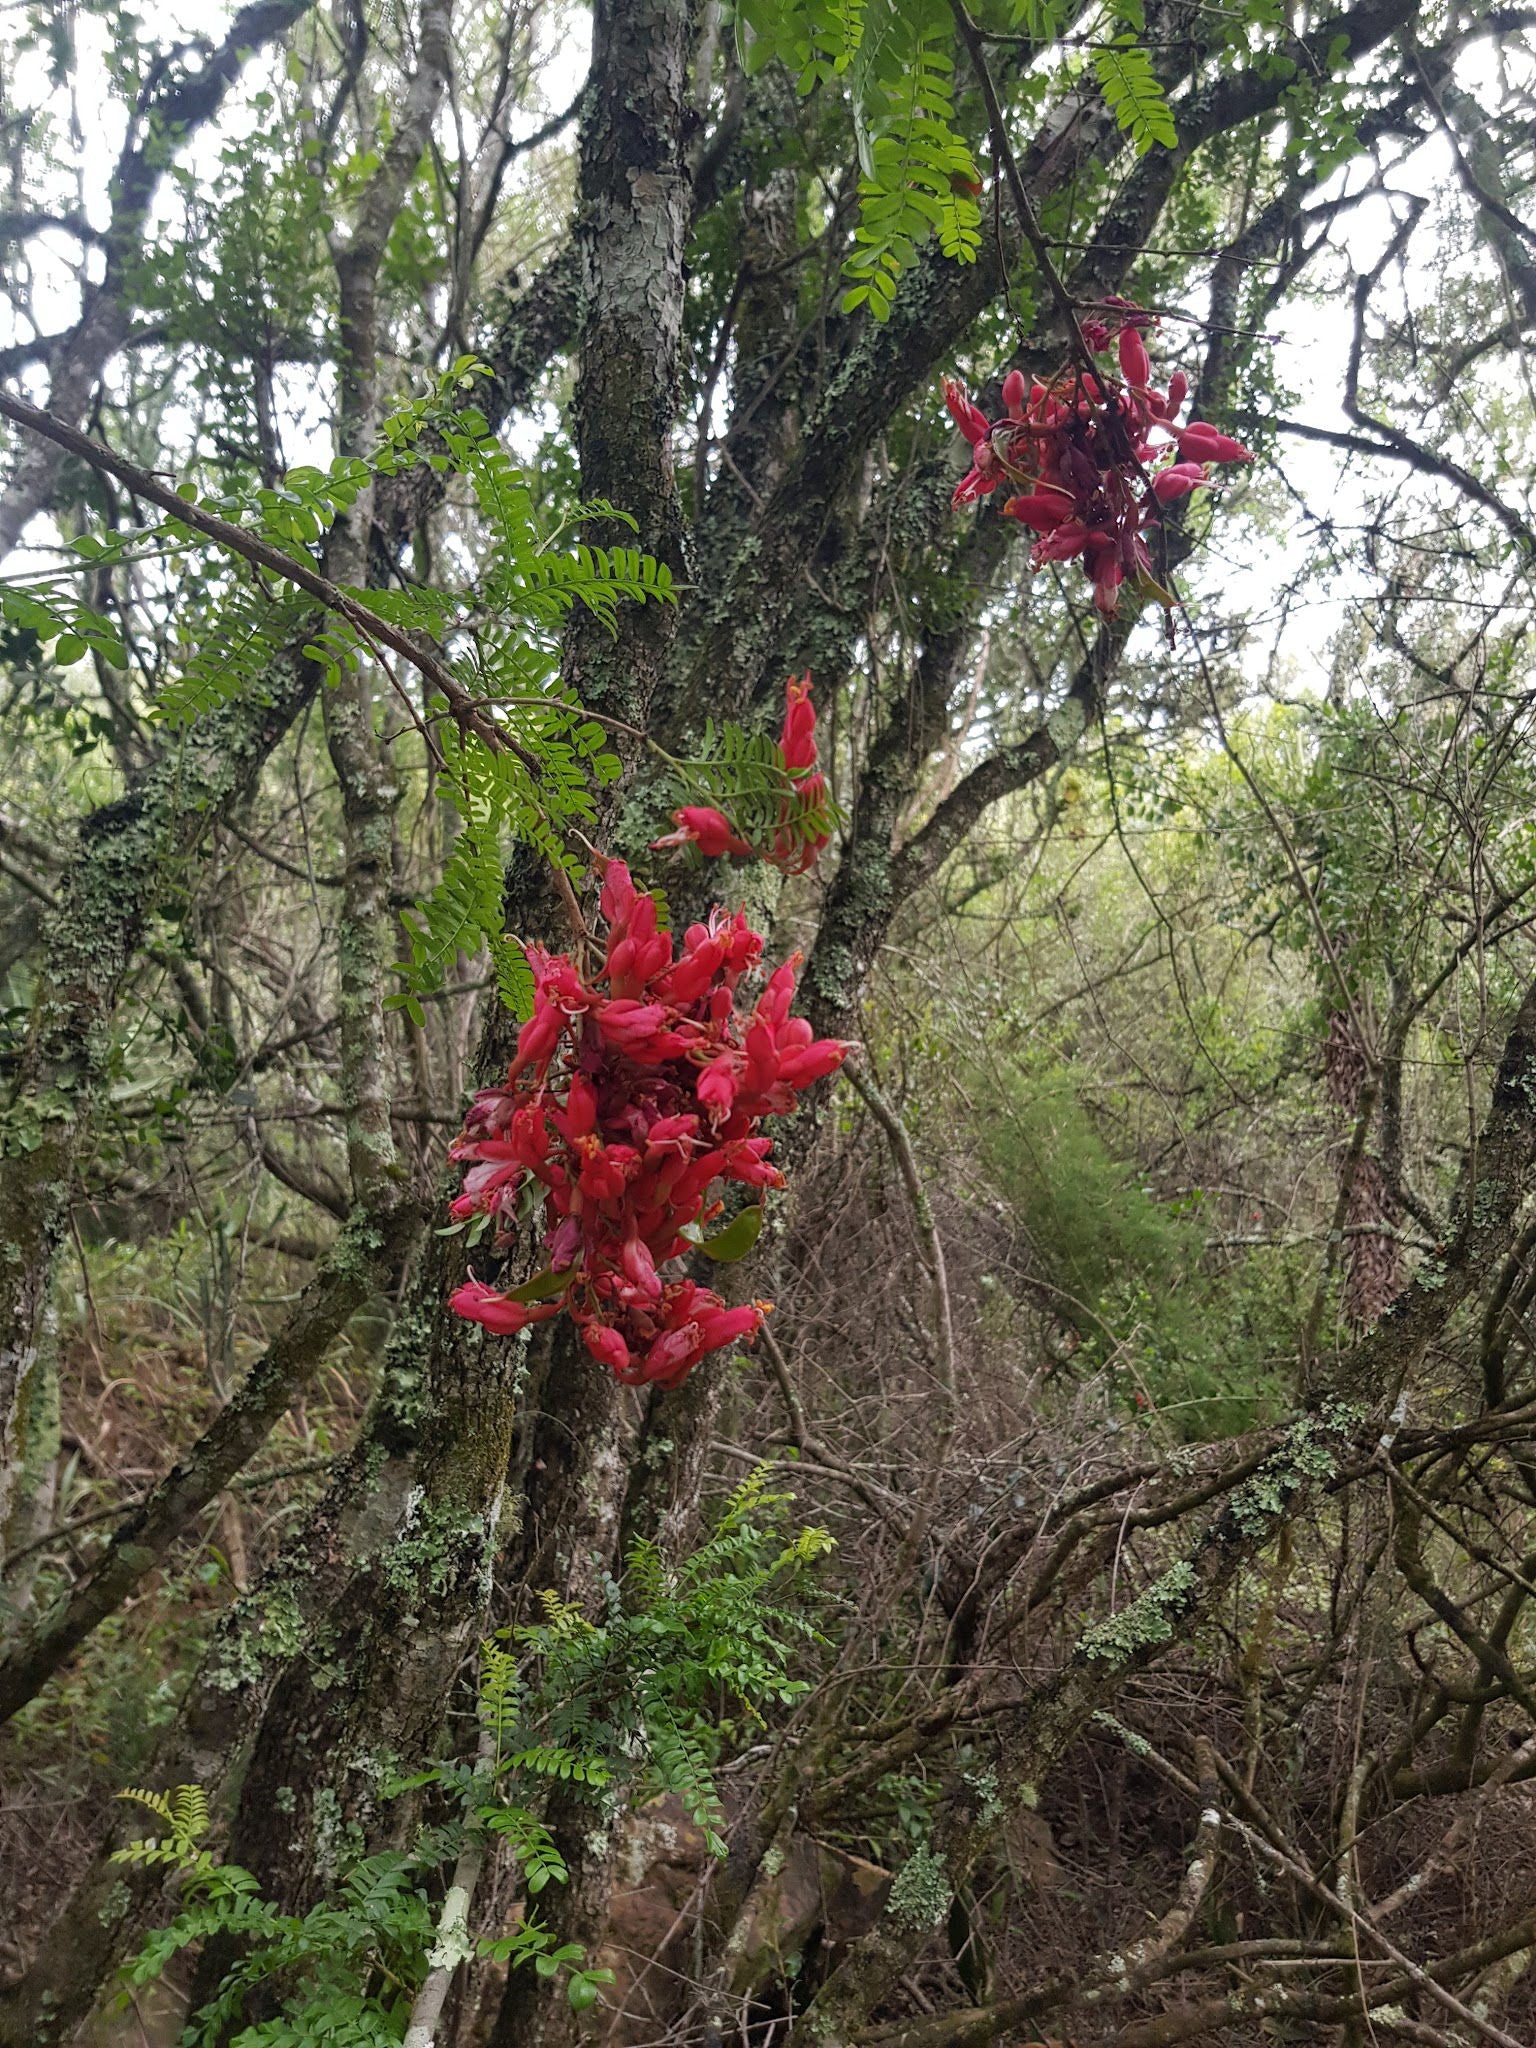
(791, 847)
(1091, 460)
(630, 1098)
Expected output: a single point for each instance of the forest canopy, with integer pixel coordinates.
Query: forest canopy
(767, 1023)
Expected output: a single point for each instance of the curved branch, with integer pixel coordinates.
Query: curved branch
(370, 628)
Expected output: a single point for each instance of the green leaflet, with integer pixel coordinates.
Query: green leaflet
(500, 637)
(1133, 94)
(542, 1287)
(737, 1238)
(917, 171)
(895, 58)
(895, 62)
(52, 616)
(744, 775)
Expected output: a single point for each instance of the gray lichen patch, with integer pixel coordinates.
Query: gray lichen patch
(1148, 1622)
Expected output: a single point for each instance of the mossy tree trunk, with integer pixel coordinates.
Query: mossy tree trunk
(376, 1687)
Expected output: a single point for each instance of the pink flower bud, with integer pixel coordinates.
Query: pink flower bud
(1135, 363)
(1177, 482)
(1204, 443)
(1042, 511)
(970, 419)
(607, 1347)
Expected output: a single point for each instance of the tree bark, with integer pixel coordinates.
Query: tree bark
(415, 1593)
(126, 853)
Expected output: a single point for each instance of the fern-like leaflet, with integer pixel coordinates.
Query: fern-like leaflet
(918, 176)
(630, 1700)
(498, 639)
(744, 776)
(1133, 94)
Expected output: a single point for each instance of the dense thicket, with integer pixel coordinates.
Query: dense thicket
(1096, 1607)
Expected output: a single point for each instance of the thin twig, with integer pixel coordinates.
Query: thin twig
(371, 629)
(1002, 150)
(922, 1210)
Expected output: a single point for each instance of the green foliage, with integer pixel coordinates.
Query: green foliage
(499, 635)
(525, 795)
(249, 263)
(745, 776)
(541, 782)
(816, 40)
(377, 1933)
(1133, 94)
(918, 176)
(735, 1240)
(634, 1699)
(52, 617)
(184, 1813)
(231, 651)
(1194, 1343)
(896, 59)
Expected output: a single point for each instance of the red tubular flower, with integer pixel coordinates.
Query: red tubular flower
(797, 740)
(709, 830)
(477, 1303)
(640, 1268)
(1042, 510)
(811, 1063)
(793, 847)
(985, 472)
(1202, 443)
(716, 1090)
(607, 1347)
(539, 1036)
(631, 1111)
(1062, 545)
(638, 1029)
(1102, 560)
(497, 1167)
(1169, 485)
(969, 418)
(1135, 363)
(1092, 461)
(722, 1326)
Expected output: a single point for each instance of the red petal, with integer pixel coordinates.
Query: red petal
(970, 419)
